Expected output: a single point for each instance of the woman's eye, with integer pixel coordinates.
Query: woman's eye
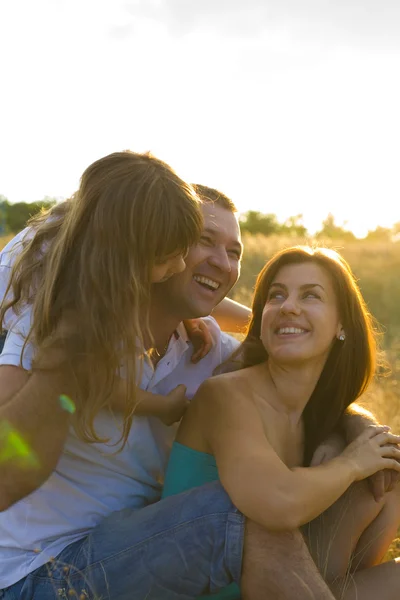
(276, 295)
(311, 295)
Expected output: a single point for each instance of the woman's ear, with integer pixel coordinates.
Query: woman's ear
(340, 334)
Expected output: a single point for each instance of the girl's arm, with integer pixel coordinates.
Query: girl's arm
(231, 316)
(169, 408)
(260, 485)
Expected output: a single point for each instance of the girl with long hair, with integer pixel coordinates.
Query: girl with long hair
(84, 270)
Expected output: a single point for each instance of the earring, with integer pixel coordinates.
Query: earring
(342, 337)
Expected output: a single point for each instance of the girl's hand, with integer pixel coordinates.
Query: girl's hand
(374, 450)
(200, 337)
(174, 405)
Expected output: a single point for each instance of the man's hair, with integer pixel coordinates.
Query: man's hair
(209, 195)
(86, 271)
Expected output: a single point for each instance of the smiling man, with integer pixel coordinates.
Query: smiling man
(212, 269)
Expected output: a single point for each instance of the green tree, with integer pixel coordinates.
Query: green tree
(14, 215)
(294, 226)
(256, 222)
(3, 214)
(335, 232)
(380, 234)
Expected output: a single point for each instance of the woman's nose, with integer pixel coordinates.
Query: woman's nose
(290, 305)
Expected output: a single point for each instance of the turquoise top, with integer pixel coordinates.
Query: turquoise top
(188, 468)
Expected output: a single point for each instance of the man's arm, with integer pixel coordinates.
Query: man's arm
(231, 316)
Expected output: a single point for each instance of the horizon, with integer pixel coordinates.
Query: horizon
(299, 218)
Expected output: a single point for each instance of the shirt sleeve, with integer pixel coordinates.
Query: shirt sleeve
(226, 343)
(14, 352)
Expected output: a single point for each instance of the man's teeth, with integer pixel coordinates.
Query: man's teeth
(206, 281)
(290, 330)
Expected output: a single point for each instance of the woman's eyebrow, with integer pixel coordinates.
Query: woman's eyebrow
(302, 287)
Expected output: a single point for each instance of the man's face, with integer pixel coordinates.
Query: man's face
(212, 268)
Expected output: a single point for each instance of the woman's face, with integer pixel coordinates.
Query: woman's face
(300, 320)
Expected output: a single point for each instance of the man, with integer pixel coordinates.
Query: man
(118, 541)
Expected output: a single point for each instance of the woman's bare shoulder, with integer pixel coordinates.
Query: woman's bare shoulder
(222, 388)
(217, 399)
(233, 378)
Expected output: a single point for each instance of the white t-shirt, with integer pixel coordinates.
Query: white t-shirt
(90, 480)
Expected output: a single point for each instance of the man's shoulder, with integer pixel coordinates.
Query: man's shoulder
(7, 257)
(8, 253)
(222, 340)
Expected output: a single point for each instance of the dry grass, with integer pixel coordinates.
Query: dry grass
(4, 240)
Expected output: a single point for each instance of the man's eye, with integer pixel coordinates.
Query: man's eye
(234, 253)
(205, 239)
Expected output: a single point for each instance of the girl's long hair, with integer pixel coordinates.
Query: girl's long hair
(351, 364)
(86, 272)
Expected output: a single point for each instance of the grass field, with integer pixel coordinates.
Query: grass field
(377, 267)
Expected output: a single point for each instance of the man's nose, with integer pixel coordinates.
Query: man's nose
(220, 259)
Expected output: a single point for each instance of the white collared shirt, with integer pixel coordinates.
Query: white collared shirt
(91, 480)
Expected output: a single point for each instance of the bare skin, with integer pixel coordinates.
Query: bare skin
(289, 572)
(350, 539)
(363, 528)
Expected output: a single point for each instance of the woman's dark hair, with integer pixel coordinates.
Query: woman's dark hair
(351, 364)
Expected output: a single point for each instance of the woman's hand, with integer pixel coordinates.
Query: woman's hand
(200, 337)
(374, 450)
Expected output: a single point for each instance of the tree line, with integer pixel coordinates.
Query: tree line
(14, 215)
(13, 218)
(254, 222)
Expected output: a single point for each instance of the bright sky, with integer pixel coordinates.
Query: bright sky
(287, 106)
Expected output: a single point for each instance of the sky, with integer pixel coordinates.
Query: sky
(288, 107)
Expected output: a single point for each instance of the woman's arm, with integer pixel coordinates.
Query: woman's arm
(257, 480)
(231, 316)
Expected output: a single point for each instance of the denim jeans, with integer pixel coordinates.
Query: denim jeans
(179, 548)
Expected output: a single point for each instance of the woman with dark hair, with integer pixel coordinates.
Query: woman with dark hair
(310, 351)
